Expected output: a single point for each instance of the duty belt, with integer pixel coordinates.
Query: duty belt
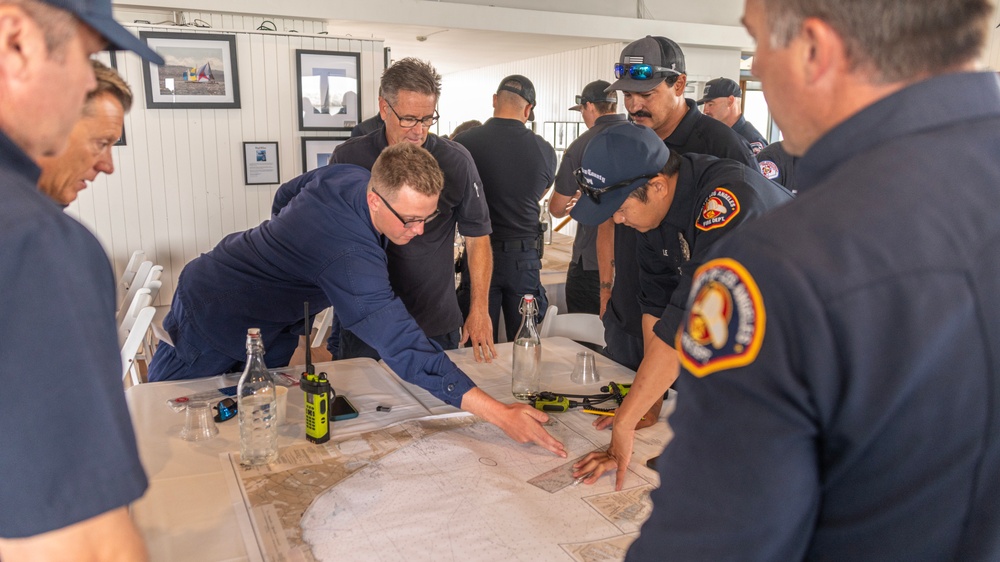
(517, 245)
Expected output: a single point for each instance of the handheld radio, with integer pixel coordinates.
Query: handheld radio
(317, 390)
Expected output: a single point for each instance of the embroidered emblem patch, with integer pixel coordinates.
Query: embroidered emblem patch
(769, 169)
(756, 147)
(724, 328)
(720, 208)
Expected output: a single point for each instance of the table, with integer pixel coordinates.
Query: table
(188, 514)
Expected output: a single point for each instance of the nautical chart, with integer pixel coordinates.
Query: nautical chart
(442, 488)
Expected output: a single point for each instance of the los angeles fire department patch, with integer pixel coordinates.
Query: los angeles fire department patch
(725, 322)
(720, 208)
(769, 169)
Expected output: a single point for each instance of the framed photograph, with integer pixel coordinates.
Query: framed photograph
(561, 142)
(316, 151)
(199, 71)
(260, 163)
(329, 90)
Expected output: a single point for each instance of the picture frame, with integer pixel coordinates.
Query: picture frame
(329, 90)
(316, 151)
(260, 163)
(200, 71)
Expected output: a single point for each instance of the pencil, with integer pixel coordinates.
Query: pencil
(599, 412)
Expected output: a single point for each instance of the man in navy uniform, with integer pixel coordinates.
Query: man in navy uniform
(327, 247)
(847, 405)
(69, 460)
(721, 101)
(777, 165)
(680, 206)
(516, 166)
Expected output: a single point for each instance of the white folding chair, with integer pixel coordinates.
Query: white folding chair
(141, 300)
(579, 327)
(133, 340)
(139, 281)
(323, 322)
(130, 268)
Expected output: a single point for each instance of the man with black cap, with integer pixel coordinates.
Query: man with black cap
(681, 205)
(651, 74)
(719, 100)
(71, 467)
(516, 167)
(585, 292)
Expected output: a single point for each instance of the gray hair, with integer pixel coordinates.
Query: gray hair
(898, 39)
(410, 74)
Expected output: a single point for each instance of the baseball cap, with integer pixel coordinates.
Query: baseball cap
(663, 56)
(720, 88)
(97, 14)
(619, 159)
(594, 92)
(524, 88)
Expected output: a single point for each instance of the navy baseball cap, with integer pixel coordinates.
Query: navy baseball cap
(720, 88)
(524, 88)
(646, 63)
(97, 14)
(616, 162)
(594, 93)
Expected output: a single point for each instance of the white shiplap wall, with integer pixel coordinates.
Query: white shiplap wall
(178, 186)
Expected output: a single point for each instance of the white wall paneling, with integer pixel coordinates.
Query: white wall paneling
(178, 186)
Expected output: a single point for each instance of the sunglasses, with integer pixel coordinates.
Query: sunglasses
(641, 71)
(594, 193)
(225, 409)
(408, 223)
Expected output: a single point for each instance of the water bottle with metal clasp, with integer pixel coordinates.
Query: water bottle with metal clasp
(258, 407)
(527, 353)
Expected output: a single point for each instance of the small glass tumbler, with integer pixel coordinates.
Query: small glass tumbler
(585, 371)
(198, 423)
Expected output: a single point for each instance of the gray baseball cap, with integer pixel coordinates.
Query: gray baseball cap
(646, 63)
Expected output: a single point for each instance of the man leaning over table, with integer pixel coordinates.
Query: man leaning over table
(68, 459)
(327, 246)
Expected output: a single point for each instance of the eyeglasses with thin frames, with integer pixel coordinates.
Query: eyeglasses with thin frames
(408, 223)
(594, 193)
(409, 122)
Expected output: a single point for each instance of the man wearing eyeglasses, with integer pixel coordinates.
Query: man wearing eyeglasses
(517, 166)
(680, 206)
(585, 291)
(327, 247)
(651, 74)
(423, 273)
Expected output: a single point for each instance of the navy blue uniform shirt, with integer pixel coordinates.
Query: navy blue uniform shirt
(779, 166)
(713, 197)
(323, 248)
(840, 397)
(67, 450)
(753, 137)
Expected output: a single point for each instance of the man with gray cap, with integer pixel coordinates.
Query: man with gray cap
(71, 466)
(585, 292)
(516, 167)
(651, 74)
(719, 101)
(681, 205)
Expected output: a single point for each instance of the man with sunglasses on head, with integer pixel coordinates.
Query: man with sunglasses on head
(328, 247)
(517, 166)
(680, 206)
(423, 273)
(651, 75)
(585, 290)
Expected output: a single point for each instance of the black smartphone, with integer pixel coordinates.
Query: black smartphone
(341, 409)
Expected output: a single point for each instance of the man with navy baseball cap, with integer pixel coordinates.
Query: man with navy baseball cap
(681, 205)
(721, 100)
(70, 468)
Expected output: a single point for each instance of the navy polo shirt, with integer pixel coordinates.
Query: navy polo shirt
(67, 450)
(512, 191)
(847, 406)
(778, 166)
(323, 248)
(696, 133)
(753, 137)
(713, 197)
(585, 243)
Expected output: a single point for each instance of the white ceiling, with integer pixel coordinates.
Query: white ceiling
(454, 49)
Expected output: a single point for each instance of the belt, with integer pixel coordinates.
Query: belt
(517, 245)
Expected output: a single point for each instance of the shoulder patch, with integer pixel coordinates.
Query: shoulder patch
(720, 208)
(756, 147)
(769, 169)
(724, 328)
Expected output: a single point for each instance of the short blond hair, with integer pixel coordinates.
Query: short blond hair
(406, 164)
